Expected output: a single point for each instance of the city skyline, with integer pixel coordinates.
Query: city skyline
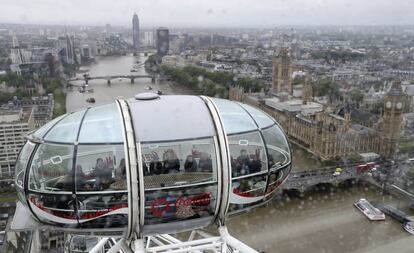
(233, 13)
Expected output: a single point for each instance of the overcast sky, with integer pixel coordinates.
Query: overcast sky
(209, 13)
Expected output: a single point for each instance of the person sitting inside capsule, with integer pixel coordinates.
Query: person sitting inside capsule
(171, 163)
(155, 166)
(81, 180)
(245, 164)
(190, 164)
(205, 164)
(242, 163)
(121, 171)
(255, 164)
(102, 174)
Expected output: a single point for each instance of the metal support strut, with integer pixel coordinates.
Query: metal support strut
(199, 241)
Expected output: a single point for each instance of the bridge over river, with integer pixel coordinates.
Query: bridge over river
(108, 78)
(303, 180)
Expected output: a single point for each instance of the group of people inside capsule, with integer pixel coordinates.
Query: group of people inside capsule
(195, 162)
(101, 176)
(104, 172)
(246, 164)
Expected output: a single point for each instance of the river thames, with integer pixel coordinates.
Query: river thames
(323, 220)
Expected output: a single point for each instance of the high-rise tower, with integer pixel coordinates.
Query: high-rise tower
(307, 92)
(282, 72)
(163, 41)
(392, 119)
(135, 32)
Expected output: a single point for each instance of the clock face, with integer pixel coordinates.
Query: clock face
(399, 105)
(388, 104)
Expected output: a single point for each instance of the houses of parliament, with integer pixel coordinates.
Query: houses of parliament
(327, 133)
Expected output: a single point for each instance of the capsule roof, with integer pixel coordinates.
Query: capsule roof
(159, 118)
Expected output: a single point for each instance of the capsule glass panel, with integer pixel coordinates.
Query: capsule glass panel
(236, 119)
(247, 192)
(180, 180)
(66, 130)
(179, 204)
(247, 154)
(51, 184)
(259, 153)
(101, 124)
(45, 128)
(171, 164)
(21, 163)
(51, 169)
(54, 208)
(278, 155)
(100, 184)
(261, 119)
(20, 169)
(103, 210)
(100, 168)
(277, 146)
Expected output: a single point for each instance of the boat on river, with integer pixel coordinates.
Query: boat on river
(90, 100)
(409, 227)
(371, 212)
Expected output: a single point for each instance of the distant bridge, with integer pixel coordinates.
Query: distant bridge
(108, 78)
(303, 180)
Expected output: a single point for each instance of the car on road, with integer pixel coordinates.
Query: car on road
(337, 172)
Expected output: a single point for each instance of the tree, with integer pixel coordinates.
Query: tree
(377, 107)
(342, 56)
(356, 96)
(12, 79)
(326, 87)
(298, 80)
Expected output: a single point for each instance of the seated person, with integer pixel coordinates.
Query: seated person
(121, 170)
(242, 163)
(80, 179)
(155, 168)
(190, 164)
(102, 174)
(255, 164)
(205, 164)
(171, 163)
(233, 166)
(151, 160)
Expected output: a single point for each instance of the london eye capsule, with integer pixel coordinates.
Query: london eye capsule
(151, 164)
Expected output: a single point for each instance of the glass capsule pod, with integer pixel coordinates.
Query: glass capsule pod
(152, 164)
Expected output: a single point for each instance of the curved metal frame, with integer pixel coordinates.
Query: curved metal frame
(224, 189)
(131, 162)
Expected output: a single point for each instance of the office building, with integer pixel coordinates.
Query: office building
(163, 41)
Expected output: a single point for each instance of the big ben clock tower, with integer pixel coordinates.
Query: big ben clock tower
(392, 119)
